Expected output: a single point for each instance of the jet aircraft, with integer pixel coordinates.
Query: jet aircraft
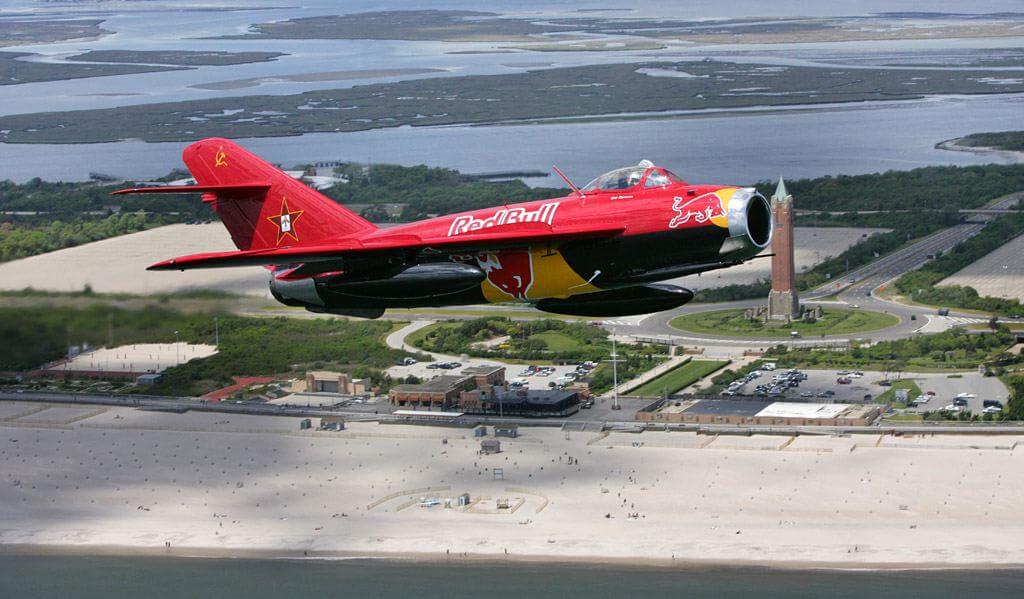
(599, 251)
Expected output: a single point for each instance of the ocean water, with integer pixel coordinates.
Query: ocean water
(165, 578)
(712, 147)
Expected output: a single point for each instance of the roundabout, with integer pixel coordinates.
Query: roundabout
(733, 323)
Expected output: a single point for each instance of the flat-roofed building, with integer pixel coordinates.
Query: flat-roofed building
(519, 402)
(486, 375)
(754, 412)
(440, 392)
(826, 414)
(326, 381)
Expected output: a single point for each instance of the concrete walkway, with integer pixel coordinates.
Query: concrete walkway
(655, 372)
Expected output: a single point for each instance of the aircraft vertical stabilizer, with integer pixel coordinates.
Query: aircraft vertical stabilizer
(284, 213)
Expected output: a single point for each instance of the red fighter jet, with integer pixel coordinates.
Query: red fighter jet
(596, 252)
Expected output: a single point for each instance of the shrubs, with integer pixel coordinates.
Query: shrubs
(248, 346)
(526, 340)
(952, 349)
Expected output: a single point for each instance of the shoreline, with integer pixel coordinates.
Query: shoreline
(952, 146)
(555, 561)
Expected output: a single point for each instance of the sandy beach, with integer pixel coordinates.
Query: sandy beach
(117, 480)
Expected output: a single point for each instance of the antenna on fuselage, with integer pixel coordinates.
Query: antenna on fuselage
(572, 185)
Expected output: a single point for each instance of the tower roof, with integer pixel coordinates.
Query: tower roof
(780, 191)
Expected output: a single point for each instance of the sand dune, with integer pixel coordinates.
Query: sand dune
(118, 265)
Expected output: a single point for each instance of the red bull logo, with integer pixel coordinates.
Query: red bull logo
(511, 272)
(700, 210)
(467, 223)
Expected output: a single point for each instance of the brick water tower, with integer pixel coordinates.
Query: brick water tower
(783, 303)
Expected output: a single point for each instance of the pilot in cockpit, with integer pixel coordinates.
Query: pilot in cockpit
(631, 177)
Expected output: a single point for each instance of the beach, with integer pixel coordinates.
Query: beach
(123, 481)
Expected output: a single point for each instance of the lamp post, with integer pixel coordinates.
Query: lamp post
(216, 332)
(177, 350)
(615, 375)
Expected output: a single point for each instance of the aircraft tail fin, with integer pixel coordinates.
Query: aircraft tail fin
(262, 206)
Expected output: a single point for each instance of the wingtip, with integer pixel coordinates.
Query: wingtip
(163, 265)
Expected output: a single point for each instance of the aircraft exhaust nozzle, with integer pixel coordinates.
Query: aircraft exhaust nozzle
(299, 293)
(750, 225)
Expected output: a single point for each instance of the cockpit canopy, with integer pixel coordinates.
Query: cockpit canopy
(632, 177)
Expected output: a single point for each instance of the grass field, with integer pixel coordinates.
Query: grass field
(680, 377)
(556, 342)
(836, 321)
(890, 395)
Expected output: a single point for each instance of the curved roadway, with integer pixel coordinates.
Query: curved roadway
(857, 288)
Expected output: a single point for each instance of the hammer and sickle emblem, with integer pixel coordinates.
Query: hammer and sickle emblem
(221, 158)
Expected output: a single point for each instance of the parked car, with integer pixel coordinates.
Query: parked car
(843, 380)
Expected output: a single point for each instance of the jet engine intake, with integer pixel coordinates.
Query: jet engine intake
(750, 225)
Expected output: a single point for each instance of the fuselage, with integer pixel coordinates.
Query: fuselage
(662, 232)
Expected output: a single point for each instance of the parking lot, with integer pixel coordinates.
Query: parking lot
(946, 388)
(538, 380)
(945, 385)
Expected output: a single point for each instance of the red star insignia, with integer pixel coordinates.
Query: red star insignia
(285, 222)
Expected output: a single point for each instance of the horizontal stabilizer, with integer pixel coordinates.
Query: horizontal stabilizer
(225, 190)
(259, 257)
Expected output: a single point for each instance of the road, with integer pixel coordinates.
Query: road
(866, 280)
(591, 422)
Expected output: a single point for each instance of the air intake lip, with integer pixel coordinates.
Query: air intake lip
(750, 217)
(759, 221)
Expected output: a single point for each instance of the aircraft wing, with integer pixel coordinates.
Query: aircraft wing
(331, 253)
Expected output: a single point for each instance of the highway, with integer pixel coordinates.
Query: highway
(871, 276)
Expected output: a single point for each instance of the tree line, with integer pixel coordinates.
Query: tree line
(920, 285)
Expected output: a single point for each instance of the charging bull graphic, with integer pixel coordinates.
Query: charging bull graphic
(510, 271)
(705, 209)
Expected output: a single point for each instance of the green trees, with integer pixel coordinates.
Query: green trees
(536, 339)
(248, 346)
(1003, 140)
(929, 188)
(426, 191)
(952, 349)
(19, 241)
(920, 286)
